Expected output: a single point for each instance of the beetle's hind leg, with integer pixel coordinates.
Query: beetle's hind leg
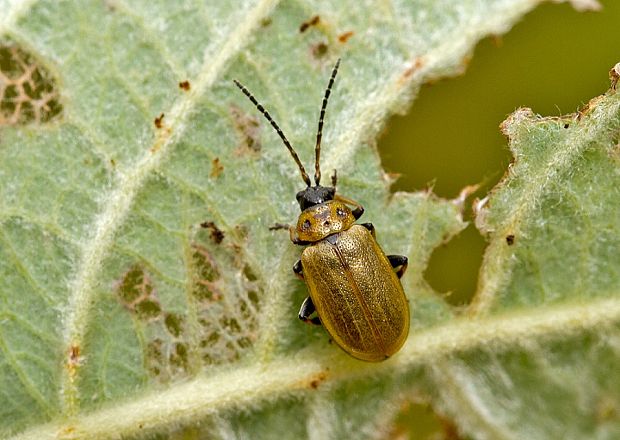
(400, 263)
(307, 309)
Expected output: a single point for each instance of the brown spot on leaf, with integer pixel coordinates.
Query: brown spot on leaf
(136, 292)
(28, 92)
(510, 239)
(344, 37)
(308, 23)
(178, 357)
(134, 286)
(319, 378)
(205, 275)
(174, 324)
(614, 76)
(159, 121)
(215, 233)
(417, 64)
(185, 85)
(248, 129)
(74, 355)
(216, 168)
(319, 50)
(265, 22)
(148, 309)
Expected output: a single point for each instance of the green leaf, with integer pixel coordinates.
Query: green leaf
(141, 291)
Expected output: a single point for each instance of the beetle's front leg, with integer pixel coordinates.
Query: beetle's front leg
(291, 230)
(399, 261)
(307, 309)
(371, 228)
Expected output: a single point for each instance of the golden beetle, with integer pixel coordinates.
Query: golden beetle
(354, 287)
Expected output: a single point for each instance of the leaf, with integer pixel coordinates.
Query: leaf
(142, 292)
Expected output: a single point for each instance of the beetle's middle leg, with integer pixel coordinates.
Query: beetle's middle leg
(307, 309)
(298, 270)
(399, 262)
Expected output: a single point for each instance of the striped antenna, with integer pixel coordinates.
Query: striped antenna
(319, 133)
(273, 123)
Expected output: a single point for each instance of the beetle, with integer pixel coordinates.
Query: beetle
(354, 288)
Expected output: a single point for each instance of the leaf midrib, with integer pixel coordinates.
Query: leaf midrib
(119, 201)
(206, 395)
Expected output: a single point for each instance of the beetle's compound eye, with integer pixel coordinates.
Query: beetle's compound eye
(340, 212)
(306, 225)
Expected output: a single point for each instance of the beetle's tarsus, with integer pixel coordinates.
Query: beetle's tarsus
(307, 309)
(399, 262)
(279, 226)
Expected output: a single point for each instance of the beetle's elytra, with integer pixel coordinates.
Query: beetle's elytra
(354, 287)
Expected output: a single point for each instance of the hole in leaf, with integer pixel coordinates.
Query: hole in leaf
(28, 91)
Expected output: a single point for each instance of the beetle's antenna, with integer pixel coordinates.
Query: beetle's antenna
(273, 123)
(319, 133)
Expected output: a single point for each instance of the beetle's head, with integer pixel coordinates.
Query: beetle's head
(315, 195)
(324, 219)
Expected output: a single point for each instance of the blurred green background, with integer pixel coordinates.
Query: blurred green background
(554, 61)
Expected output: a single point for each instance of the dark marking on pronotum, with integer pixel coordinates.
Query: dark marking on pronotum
(185, 85)
(344, 37)
(306, 24)
(216, 234)
(159, 121)
(510, 239)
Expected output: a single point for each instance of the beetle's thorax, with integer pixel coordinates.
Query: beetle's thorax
(315, 195)
(322, 220)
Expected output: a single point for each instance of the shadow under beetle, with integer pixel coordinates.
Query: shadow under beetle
(354, 287)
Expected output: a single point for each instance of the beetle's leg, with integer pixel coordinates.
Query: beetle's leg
(278, 226)
(399, 261)
(298, 270)
(334, 179)
(371, 228)
(307, 309)
(291, 230)
(357, 211)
